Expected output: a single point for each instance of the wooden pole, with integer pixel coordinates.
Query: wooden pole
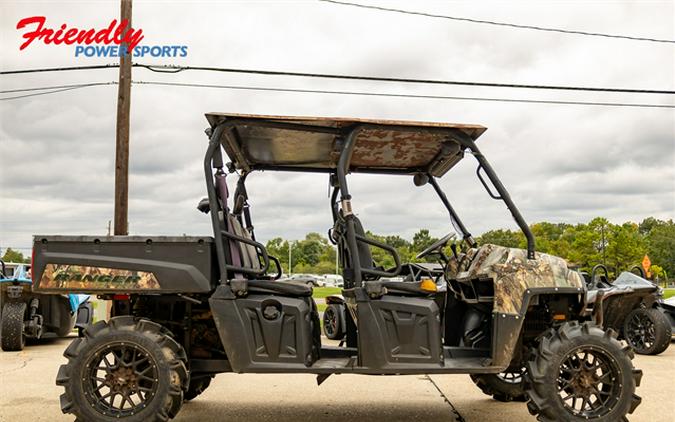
(122, 134)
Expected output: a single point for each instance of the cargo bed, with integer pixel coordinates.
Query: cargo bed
(100, 264)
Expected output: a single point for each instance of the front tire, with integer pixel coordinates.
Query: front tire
(125, 368)
(648, 331)
(580, 373)
(12, 336)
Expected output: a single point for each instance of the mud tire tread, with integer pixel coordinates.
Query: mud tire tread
(543, 362)
(169, 354)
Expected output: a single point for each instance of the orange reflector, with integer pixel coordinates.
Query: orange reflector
(559, 317)
(428, 285)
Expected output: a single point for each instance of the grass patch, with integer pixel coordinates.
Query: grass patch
(322, 292)
(668, 293)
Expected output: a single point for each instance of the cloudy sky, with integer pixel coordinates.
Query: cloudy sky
(561, 163)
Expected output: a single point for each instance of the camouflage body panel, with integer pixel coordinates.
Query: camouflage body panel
(87, 278)
(513, 274)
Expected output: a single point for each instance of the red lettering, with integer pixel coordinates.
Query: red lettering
(116, 33)
(58, 34)
(31, 36)
(70, 36)
(86, 37)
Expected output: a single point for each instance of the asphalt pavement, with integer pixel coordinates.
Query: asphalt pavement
(28, 393)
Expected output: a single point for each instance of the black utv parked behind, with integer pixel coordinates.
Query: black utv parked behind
(188, 308)
(630, 305)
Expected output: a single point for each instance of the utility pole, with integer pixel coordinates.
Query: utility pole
(290, 263)
(122, 132)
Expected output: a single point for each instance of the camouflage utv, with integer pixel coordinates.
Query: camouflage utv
(187, 308)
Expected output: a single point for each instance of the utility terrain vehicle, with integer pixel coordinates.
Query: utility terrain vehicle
(30, 315)
(187, 308)
(632, 306)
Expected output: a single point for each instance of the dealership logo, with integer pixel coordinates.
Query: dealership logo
(116, 40)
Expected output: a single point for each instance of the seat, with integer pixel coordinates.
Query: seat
(247, 253)
(249, 259)
(284, 288)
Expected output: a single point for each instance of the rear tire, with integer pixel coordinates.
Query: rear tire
(648, 331)
(12, 336)
(134, 360)
(333, 322)
(581, 364)
(505, 387)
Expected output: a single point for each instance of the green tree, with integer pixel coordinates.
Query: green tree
(14, 256)
(422, 240)
(625, 247)
(502, 237)
(660, 240)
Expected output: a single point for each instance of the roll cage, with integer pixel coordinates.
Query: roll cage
(337, 147)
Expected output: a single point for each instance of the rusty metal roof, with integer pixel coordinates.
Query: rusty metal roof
(255, 142)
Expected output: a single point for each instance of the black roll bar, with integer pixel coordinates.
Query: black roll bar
(214, 160)
(346, 202)
(453, 215)
(345, 198)
(503, 194)
(211, 158)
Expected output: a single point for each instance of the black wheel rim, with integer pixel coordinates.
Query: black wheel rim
(640, 331)
(589, 383)
(330, 322)
(513, 377)
(122, 380)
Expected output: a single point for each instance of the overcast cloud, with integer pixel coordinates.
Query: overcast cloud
(560, 163)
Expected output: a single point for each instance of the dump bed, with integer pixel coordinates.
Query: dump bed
(121, 264)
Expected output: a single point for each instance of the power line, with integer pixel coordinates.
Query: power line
(177, 69)
(59, 69)
(51, 90)
(336, 92)
(42, 88)
(381, 94)
(506, 24)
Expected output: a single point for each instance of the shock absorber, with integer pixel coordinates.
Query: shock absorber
(34, 326)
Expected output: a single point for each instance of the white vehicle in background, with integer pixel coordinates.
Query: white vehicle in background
(333, 280)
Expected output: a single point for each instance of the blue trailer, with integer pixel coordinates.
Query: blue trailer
(27, 314)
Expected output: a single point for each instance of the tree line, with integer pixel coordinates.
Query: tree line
(617, 246)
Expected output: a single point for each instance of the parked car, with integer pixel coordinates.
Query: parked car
(333, 280)
(308, 279)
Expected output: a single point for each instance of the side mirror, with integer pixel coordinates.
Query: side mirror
(204, 206)
(420, 179)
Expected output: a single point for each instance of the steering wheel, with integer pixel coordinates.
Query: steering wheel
(439, 244)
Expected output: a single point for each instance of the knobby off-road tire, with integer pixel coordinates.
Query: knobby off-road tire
(648, 331)
(333, 322)
(127, 368)
(506, 386)
(196, 387)
(12, 337)
(581, 373)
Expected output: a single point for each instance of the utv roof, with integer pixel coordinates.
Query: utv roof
(313, 144)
